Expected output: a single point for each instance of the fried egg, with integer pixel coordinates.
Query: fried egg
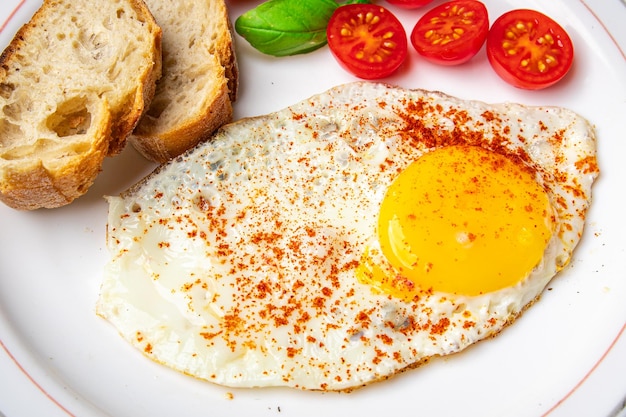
(348, 237)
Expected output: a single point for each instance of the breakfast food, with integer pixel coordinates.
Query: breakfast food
(367, 40)
(451, 33)
(347, 237)
(194, 97)
(74, 81)
(529, 50)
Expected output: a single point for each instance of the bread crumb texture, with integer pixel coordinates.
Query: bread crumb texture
(74, 82)
(200, 76)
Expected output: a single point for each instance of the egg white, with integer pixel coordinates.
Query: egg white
(235, 263)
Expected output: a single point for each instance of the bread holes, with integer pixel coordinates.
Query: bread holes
(17, 153)
(9, 135)
(71, 118)
(93, 44)
(41, 145)
(158, 106)
(6, 90)
(106, 23)
(10, 130)
(16, 105)
(71, 94)
(196, 60)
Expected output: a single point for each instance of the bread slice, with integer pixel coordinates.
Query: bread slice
(199, 82)
(74, 82)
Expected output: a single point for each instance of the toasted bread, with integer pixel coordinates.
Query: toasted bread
(74, 82)
(194, 97)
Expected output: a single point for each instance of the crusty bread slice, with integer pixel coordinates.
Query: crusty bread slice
(74, 82)
(200, 75)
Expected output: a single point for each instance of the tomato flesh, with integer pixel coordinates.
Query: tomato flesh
(409, 4)
(529, 50)
(367, 40)
(451, 33)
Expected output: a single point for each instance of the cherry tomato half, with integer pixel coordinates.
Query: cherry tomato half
(451, 33)
(409, 4)
(367, 40)
(529, 50)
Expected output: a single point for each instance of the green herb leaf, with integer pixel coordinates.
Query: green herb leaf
(287, 27)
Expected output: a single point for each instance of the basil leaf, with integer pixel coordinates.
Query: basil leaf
(286, 27)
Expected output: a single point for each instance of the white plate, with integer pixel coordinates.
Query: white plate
(566, 356)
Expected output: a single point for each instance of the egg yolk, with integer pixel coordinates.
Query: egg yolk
(462, 220)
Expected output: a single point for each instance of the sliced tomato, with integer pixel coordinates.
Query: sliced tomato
(451, 33)
(367, 40)
(409, 4)
(529, 50)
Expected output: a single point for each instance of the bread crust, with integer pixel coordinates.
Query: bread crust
(229, 61)
(165, 145)
(186, 111)
(59, 121)
(39, 187)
